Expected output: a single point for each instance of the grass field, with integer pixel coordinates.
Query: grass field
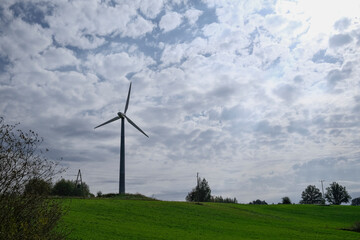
(136, 219)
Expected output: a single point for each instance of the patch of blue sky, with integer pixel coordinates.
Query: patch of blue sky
(266, 11)
(209, 16)
(147, 44)
(130, 75)
(2, 18)
(33, 13)
(110, 3)
(150, 43)
(206, 54)
(322, 57)
(68, 68)
(100, 77)
(78, 52)
(274, 70)
(273, 64)
(4, 63)
(181, 34)
(293, 45)
(186, 32)
(252, 36)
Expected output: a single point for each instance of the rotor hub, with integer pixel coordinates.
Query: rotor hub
(120, 114)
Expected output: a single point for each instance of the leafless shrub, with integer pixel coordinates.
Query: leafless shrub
(24, 215)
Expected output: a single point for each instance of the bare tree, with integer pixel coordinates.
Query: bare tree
(25, 215)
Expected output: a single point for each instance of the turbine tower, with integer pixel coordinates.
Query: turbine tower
(122, 116)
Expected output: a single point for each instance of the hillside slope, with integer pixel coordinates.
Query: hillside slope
(134, 219)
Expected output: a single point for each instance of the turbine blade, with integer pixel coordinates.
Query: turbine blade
(127, 101)
(132, 123)
(111, 120)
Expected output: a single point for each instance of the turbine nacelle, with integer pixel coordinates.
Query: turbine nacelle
(121, 115)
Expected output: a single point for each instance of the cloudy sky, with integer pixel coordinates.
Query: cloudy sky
(262, 98)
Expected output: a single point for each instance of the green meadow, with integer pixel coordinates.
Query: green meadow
(101, 218)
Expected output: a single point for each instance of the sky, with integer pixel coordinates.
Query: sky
(262, 98)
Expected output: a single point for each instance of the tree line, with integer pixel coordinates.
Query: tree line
(202, 193)
(63, 187)
(336, 194)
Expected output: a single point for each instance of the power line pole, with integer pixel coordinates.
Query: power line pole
(79, 180)
(322, 187)
(197, 186)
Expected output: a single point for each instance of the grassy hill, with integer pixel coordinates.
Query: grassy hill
(138, 219)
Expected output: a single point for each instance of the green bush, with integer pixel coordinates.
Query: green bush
(258, 202)
(70, 188)
(38, 186)
(355, 202)
(286, 200)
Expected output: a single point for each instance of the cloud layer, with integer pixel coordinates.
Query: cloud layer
(262, 98)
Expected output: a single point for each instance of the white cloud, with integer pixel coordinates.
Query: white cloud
(172, 54)
(192, 15)
(117, 65)
(53, 58)
(151, 8)
(21, 40)
(83, 24)
(170, 21)
(138, 27)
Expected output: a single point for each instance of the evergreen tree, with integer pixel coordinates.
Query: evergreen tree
(201, 193)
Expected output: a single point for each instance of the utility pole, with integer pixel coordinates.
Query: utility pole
(197, 187)
(322, 187)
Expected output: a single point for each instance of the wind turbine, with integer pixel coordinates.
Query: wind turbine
(122, 116)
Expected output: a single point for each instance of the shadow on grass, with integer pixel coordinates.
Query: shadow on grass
(128, 196)
(353, 228)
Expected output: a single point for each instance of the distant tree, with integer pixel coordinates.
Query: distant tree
(286, 200)
(99, 194)
(70, 188)
(355, 202)
(63, 188)
(337, 194)
(312, 195)
(220, 199)
(38, 186)
(201, 193)
(258, 202)
(26, 212)
(81, 190)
